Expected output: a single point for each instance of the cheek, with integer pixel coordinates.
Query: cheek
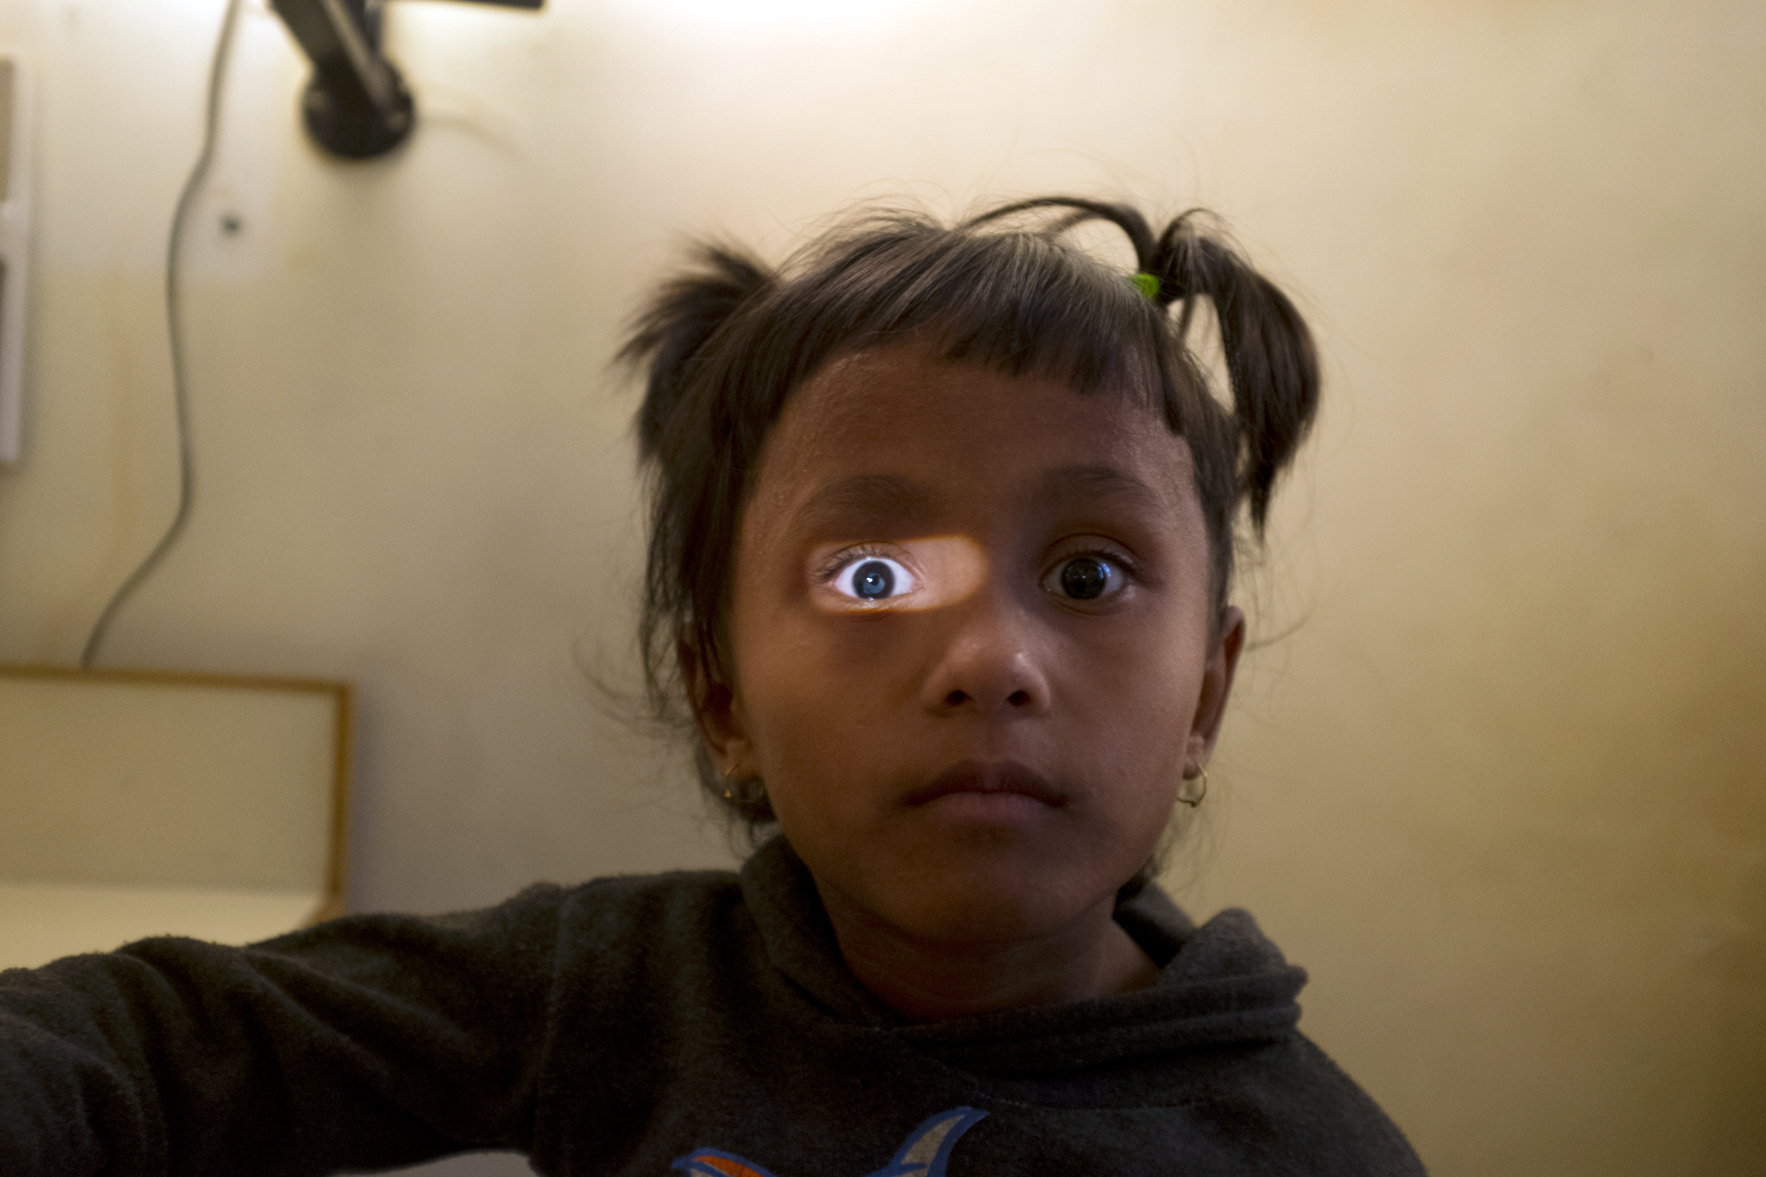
(1139, 702)
(820, 697)
(816, 697)
(1143, 671)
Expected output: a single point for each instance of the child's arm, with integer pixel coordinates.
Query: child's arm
(363, 1043)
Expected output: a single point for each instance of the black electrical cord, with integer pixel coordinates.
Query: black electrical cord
(174, 330)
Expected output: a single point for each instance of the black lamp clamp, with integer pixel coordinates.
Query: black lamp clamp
(356, 105)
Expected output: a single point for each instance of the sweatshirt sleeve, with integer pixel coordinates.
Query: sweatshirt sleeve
(366, 1042)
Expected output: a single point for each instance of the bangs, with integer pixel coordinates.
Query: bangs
(1017, 303)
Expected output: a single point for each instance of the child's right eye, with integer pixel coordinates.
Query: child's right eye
(873, 578)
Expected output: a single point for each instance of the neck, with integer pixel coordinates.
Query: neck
(928, 980)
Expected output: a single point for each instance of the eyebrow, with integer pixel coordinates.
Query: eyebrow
(888, 500)
(870, 499)
(1068, 483)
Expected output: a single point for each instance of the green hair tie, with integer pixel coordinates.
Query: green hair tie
(1147, 284)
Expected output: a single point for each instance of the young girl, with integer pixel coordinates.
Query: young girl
(940, 559)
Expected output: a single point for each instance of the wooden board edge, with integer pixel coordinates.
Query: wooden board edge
(337, 869)
(337, 861)
(187, 678)
(329, 908)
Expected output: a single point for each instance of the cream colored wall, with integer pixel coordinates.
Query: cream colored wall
(1495, 779)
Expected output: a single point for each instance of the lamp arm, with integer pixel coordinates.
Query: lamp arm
(338, 42)
(355, 104)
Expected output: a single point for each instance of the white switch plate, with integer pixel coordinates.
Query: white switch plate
(16, 124)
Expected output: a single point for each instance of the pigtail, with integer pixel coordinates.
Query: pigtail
(1270, 359)
(1078, 211)
(669, 332)
(669, 338)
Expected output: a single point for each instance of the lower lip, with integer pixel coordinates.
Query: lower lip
(988, 808)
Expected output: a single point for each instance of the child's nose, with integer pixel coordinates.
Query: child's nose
(989, 662)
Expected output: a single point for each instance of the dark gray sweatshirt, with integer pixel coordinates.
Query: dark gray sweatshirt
(698, 1022)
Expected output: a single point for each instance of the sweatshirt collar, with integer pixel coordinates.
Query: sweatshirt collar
(1222, 983)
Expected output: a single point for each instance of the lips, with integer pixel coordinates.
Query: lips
(990, 776)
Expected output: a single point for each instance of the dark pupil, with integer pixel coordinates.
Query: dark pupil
(1084, 578)
(873, 580)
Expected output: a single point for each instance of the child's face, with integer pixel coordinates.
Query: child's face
(951, 582)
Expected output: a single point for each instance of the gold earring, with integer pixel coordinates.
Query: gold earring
(734, 790)
(1192, 802)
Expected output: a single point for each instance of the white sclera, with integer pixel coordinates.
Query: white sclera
(944, 570)
(903, 583)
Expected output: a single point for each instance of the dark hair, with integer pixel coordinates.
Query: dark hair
(727, 341)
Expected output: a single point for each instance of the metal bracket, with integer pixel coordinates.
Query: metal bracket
(356, 105)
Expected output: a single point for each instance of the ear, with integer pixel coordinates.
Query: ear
(718, 714)
(1217, 684)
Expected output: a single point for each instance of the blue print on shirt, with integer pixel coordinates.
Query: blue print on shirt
(924, 1155)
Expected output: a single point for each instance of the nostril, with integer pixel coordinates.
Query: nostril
(955, 699)
(1019, 698)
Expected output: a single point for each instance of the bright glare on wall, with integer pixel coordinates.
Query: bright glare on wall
(774, 14)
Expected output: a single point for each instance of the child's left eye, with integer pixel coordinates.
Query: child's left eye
(1087, 577)
(873, 578)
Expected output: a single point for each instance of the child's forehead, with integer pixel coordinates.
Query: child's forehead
(900, 428)
(909, 395)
